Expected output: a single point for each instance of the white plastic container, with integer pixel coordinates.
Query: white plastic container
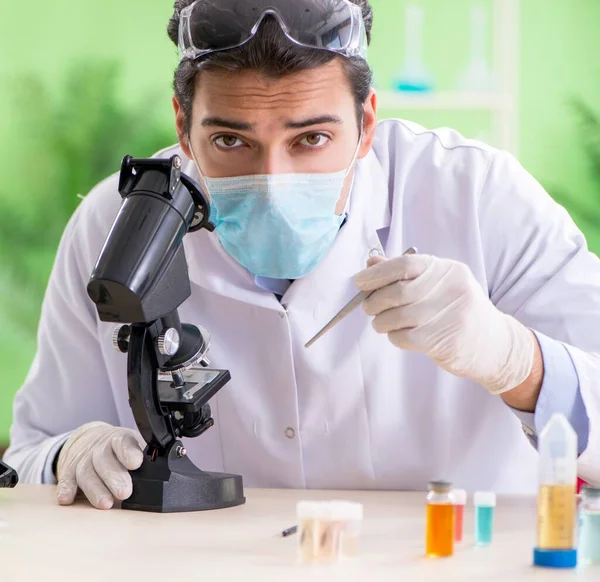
(328, 531)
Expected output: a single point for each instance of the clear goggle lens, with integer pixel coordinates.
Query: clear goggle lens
(209, 26)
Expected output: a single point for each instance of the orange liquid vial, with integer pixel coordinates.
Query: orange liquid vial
(440, 530)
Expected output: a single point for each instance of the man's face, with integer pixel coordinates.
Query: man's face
(245, 124)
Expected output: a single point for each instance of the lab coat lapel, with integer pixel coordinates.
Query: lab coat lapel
(330, 286)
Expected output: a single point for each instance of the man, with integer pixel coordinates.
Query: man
(485, 333)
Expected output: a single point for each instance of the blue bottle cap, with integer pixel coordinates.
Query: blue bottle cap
(555, 558)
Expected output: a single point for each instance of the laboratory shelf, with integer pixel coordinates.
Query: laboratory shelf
(502, 102)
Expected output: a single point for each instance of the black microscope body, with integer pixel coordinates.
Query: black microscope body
(139, 282)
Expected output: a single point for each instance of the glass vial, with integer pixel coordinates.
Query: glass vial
(485, 503)
(589, 536)
(460, 500)
(352, 514)
(439, 541)
(319, 536)
(328, 531)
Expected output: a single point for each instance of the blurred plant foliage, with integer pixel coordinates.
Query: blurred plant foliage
(586, 210)
(72, 141)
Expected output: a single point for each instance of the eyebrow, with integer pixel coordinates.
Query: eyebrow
(220, 122)
(313, 121)
(242, 126)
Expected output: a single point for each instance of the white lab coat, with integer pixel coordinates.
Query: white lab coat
(351, 412)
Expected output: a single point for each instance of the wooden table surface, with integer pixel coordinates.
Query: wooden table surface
(42, 541)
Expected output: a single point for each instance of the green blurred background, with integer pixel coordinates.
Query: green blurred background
(84, 83)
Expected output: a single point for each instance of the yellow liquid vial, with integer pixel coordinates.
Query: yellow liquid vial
(440, 530)
(556, 517)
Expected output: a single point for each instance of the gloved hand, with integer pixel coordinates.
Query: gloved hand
(96, 458)
(436, 307)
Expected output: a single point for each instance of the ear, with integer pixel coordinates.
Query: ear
(369, 124)
(182, 135)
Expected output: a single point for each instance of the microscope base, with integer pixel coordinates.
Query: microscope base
(171, 484)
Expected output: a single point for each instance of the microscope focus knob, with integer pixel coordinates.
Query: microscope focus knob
(120, 338)
(168, 342)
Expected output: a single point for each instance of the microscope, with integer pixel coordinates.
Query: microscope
(139, 282)
(8, 476)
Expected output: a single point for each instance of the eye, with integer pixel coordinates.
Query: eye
(228, 142)
(314, 140)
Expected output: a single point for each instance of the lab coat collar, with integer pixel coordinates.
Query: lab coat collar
(211, 268)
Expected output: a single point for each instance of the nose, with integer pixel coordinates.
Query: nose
(275, 161)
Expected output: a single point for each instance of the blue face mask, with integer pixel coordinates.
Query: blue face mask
(279, 226)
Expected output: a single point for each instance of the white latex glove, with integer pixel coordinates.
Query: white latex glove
(96, 458)
(436, 307)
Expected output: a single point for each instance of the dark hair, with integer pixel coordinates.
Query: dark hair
(272, 54)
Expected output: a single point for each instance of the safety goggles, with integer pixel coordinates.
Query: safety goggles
(208, 26)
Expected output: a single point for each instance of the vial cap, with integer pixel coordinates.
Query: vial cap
(440, 486)
(346, 510)
(308, 509)
(484, 499)
(329, 510)
(557, 448)
(555, 558)
(460, 496)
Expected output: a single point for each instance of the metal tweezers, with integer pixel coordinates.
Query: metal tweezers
(349, 308)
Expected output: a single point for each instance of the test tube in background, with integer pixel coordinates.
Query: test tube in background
(460, 500)
(557, 521)
(414, 76)
(484, 502)
(439, 541)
